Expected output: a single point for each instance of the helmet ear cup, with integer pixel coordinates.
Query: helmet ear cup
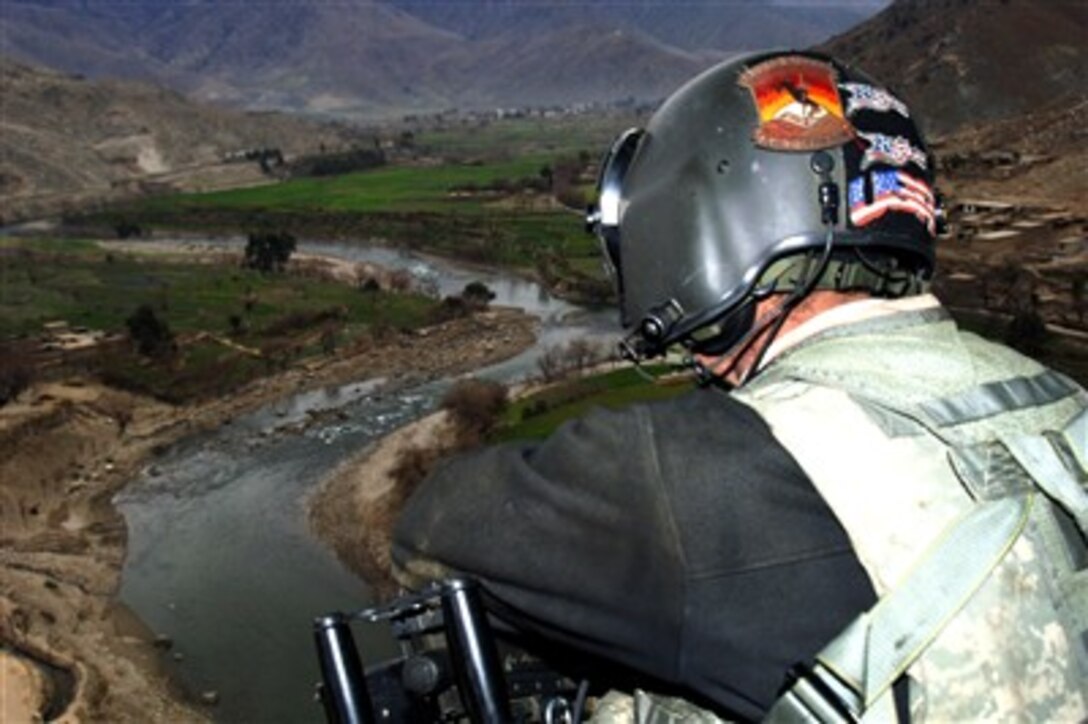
(603, 218)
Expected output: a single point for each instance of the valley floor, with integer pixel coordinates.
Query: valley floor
(70, 650)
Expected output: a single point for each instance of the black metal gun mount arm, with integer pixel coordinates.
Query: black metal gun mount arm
(451, 668)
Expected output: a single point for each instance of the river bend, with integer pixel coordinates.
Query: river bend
(220, 558)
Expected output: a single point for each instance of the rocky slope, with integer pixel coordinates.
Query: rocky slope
(1000, 87)
(66, 138)
(963, 62)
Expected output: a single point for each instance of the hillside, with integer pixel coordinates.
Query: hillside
(65, 138)
(595, 66)
(1000, 86)
(967, 61)
(316, 57)
(689, 26)
(1036, 158)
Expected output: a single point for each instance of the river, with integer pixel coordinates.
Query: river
(220, 558)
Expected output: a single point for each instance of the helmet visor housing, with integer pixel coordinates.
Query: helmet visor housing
(604, 217)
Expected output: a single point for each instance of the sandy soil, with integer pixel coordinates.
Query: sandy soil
(355, 507)
(22, 690)
(66, 448)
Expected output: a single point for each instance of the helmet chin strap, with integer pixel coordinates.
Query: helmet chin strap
(772, 321)
(791, 302)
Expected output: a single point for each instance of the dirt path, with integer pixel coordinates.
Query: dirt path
(67, 448)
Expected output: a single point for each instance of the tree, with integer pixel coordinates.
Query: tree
(152, 335)
(268, 251)
(475, 407)
(477, 294)
(127, 229)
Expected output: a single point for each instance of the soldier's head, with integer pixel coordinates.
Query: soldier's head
(766, 177)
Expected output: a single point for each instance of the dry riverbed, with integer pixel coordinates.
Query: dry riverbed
(70, 650)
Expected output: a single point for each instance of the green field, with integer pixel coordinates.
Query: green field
(537, 415)
(509, 193)
(389, 189)
(254, 323)
(485, 194)
(77, 281)
(498, 212)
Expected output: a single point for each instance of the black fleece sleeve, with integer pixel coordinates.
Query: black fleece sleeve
(677, 538)
(574, 531)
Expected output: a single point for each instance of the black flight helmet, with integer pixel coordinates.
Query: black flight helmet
(748, 170)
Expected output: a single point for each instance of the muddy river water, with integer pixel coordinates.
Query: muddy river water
(220, 558)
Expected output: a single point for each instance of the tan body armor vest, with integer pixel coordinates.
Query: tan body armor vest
(958, 469)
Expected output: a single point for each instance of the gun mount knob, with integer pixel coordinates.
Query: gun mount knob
(423, 675)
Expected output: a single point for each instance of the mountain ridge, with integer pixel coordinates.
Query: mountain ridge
(368, 58)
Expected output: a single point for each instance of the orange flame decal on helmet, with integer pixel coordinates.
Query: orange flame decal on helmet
(798, 104)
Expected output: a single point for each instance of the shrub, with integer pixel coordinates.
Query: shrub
(477, 294)
(400, 280)
(583, 354)
(237, 325)
(293, 322)
(329, 340)
(268, 251)
(571, 197)
(562, 360)
(474, 407)
(127, 229)
(450, 308)
(551, 364)
(152, 335)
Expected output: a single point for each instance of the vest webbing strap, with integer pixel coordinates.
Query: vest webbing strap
(995, 398)
(1040, 457)
(864, 660)
(1076, 434)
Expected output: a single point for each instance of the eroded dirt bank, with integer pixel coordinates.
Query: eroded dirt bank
(66, 448)
(354, 510)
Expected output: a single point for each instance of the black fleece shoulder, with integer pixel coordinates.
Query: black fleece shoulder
(677, 538)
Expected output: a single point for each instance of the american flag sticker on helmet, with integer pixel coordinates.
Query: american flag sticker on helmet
(891, 191)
